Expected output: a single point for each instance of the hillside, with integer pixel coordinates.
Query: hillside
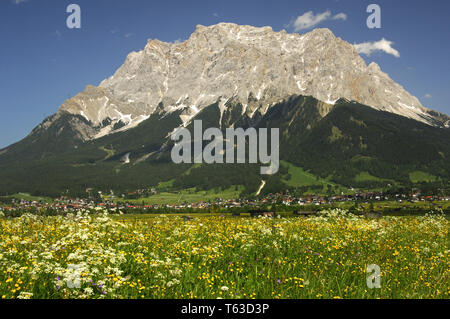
(352, 145)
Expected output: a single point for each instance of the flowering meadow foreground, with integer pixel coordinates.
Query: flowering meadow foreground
(106, 256)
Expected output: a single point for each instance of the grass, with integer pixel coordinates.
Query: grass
(336, 134)
(109, 153)
(365, 176)
(166, 185)
(361, 158)
(188, 196)
(28, 197)
(212, 256)
(299, 178)
(419, 176)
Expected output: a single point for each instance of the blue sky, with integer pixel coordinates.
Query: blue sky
(42, 62)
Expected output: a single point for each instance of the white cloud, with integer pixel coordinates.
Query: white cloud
(19, 1)
(428, 96)
(216, 15)
(309, 19)
(340, 16)
(128, 35)
(384, 45)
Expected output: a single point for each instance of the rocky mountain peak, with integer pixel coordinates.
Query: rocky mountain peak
(253, 66)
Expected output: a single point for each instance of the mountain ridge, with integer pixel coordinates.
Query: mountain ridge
(255, 66)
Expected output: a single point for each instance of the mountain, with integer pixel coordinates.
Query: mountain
(331, 108)
(256, 67)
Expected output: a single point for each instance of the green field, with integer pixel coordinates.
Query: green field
(28, 197)
(365, 176)
(419, 176)
(187, 196)
(299, 177)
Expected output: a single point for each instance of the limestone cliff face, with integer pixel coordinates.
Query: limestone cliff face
(256, 67)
